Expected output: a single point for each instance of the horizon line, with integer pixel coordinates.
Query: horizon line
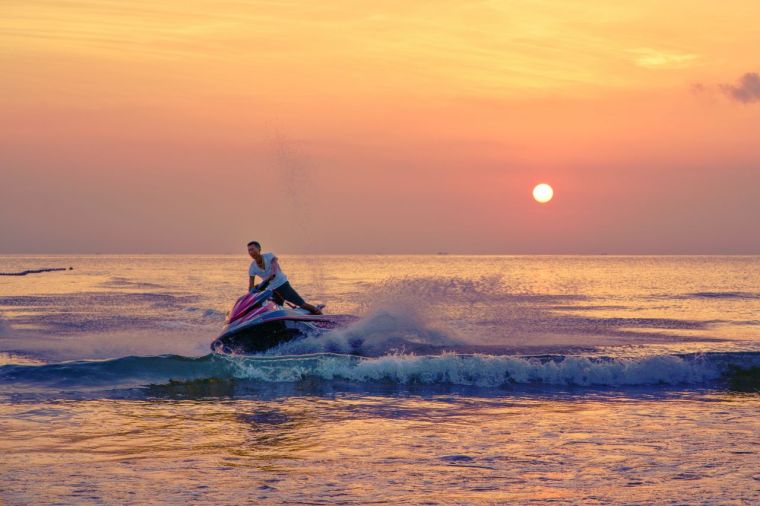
(440, 253)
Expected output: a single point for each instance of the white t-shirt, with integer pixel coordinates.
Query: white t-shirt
(254, 270)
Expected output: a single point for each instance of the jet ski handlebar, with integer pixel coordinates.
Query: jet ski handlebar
(260, 287)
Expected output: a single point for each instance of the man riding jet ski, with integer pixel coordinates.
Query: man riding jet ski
(261, 320)
(267, 267)
(257, 323)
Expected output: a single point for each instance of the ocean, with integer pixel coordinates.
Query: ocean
(466, 379)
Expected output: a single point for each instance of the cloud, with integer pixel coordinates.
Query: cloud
(746, 90)
(656, 59)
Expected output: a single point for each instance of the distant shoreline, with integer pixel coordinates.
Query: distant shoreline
(36, 271)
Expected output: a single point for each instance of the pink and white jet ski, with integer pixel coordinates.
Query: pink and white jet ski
(256, 324)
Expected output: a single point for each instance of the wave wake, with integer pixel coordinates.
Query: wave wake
(490, 371)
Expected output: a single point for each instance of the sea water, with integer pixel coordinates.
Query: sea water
(594, 379)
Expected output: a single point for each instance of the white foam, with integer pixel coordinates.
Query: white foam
(490, 371)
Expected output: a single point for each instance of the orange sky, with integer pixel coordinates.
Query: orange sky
(195, 126)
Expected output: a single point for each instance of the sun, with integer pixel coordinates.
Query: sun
(543, 193)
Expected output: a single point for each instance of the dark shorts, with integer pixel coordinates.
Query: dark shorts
(285, 292)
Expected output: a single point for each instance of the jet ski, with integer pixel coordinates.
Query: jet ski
(256, 324)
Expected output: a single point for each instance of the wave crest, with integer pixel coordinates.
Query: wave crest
(497, 371)
(490, 371)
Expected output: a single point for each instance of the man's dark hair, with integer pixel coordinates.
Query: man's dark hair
(255, 243)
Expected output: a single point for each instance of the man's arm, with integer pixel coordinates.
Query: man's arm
(275, 266)
(251, 282)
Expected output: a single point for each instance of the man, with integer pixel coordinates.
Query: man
(268, 269)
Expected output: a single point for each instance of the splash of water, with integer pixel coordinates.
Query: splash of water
(398, 369)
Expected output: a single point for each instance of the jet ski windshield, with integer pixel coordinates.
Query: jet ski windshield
(261, 297)
(248, 303)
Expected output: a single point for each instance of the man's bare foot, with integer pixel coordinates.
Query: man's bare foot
(313, 309)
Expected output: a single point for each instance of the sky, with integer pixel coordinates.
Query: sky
(195, 126)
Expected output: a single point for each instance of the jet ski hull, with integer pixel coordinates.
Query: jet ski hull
(256, 325)
(257, 338)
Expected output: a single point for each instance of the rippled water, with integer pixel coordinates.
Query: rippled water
(467, 379)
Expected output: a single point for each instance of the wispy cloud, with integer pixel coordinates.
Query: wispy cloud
(657, 59)
(746, 90)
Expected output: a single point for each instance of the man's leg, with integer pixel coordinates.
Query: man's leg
(277, 298)
(288, 293)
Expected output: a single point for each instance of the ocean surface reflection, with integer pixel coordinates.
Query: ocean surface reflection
(467, 379)
(394, 447)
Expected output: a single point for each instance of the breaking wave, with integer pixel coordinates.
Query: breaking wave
(490, 371)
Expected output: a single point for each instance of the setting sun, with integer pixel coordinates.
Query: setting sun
(543, 193)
